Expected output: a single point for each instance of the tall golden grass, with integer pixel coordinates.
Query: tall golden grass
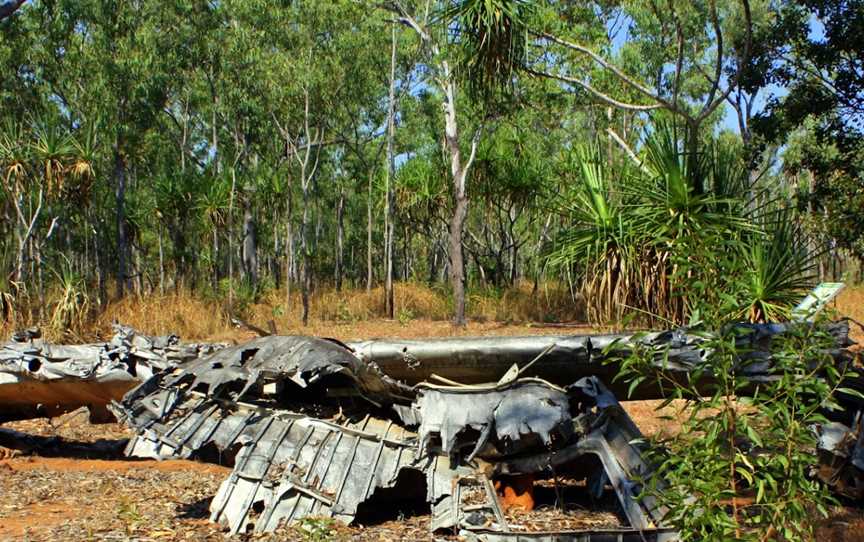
(197, 318)
(421, 310)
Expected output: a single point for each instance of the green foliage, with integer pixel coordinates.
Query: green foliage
(740, 467)
(71, 312)
(645, 240)
(405, 316)
(316, 529)
(494, 37)
(778, 269)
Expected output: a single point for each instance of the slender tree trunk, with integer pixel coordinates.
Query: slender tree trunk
(340, 237)
(389, 300)
(290, 271)
(369, 236)
(459, 172)
(250, 245)
(40, 283)
(289, 233)
(433, 258)
(306, 271)
(122, 230)
(161, 262)
(215, 256)
(406, 260)
(231, 236)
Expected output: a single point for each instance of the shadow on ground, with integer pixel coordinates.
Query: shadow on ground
(53, 446)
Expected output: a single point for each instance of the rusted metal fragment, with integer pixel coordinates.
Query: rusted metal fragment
(40, 379)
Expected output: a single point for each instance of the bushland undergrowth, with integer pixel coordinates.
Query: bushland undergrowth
(71, 315)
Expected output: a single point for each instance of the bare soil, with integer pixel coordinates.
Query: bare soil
(74, 483)
(96, 494)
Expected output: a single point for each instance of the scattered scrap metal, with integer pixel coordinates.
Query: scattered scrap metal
(40, 379)
(313, 430)
(314, 427)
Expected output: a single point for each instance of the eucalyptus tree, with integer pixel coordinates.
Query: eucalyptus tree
(443, 78)
(317, 93)
(501, 38)
(120, 62)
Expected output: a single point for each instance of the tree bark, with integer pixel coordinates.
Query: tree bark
(231, 236)
(250, 244)
(340, 237)
(305, 269)
(8, 8)
(122, 229)
(458, 170)
(369, 236)
(389, 299)
(459, 173)
(162, 264)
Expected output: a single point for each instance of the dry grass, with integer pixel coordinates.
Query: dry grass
(421, 311)
(182, 314)
(850, 303)
(115, 498)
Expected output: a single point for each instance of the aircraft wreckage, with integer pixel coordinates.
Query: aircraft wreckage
(314, 427)
(39, 379)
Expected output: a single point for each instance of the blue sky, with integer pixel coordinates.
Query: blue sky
(730, 120)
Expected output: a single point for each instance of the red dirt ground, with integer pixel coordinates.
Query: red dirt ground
(102, 497)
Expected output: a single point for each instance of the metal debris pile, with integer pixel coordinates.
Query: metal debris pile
(40, 379)
(315, 427)
(312, 430)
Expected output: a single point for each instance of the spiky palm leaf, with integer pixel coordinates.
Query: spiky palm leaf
(14, 156)
(777, 269)
(493, 39)
(83, 164)
(52, 147)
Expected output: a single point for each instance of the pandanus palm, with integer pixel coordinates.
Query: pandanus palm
(682, 231)
(14, 156)
(213, 203)
(777, 268)
(494, 40)
(82, 167)
(600, 242)
(52, 149)
(661, 247)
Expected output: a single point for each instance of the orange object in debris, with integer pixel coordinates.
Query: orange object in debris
(516, 491)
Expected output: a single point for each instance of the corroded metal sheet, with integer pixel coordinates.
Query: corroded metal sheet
(40, 379)
(311, 430)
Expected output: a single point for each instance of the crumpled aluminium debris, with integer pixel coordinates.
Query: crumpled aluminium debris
(493, 421)
(600, 428)
(40, 379)
(841, 447)
(311, 430)
(262, 407)
(567, 358)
